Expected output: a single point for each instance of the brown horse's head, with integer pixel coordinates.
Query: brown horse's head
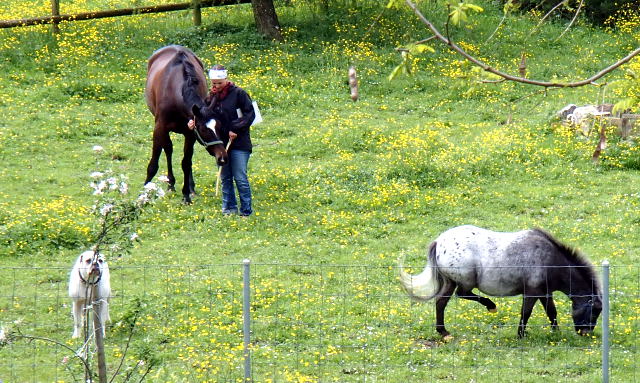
(207, 132)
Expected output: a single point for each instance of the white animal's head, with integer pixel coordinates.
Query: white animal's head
(91, 267)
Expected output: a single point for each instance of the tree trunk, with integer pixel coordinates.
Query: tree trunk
(197, 13)
(55, 11)
(266, 18)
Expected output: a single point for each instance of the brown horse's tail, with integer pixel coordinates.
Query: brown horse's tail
(426, 285)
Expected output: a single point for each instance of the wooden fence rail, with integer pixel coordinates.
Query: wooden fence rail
(55, 19)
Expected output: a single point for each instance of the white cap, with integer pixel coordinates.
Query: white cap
(217, 74)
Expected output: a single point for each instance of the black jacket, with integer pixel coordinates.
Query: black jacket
(237, 114)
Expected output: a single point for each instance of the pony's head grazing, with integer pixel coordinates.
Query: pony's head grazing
(585, 292)
(585, 314)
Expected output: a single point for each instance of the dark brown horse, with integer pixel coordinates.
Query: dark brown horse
(175, 90)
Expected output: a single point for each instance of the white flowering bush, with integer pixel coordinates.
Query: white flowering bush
(117, 212)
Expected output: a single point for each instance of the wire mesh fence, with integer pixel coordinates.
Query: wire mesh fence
(309, 323)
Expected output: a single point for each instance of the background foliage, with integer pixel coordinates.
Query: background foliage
(335, 182)
(598, 11)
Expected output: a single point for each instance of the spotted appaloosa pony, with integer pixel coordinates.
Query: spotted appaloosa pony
(175, 90)
(529, 262)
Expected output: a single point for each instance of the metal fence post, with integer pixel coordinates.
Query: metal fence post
(605, 322)
(246, 319)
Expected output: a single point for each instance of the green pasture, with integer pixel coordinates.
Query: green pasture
(341, 191)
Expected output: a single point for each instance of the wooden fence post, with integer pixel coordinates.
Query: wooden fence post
(98, 326)
(197, 13)
(55, 11)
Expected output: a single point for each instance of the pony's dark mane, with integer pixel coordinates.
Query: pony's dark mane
(191, 83)
(585, 268)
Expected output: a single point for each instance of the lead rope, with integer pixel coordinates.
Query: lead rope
(220, 169)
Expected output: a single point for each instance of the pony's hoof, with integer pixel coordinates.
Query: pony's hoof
(447, 338)
(584, 332)
(186, 200)
(493, 310)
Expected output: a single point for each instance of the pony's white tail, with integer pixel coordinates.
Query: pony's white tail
(425, 285)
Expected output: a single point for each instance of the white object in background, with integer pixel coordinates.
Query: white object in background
(258, 116)
(256, 111)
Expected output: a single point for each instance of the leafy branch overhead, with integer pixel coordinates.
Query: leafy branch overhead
(459, 12)
(408, 53)
(116, 216)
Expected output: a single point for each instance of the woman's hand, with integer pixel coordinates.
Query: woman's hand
(191, 124)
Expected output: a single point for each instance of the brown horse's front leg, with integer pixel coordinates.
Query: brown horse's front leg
(527, 307)
(156, 151)
(168, 152)
(188, 187)
(161, 140)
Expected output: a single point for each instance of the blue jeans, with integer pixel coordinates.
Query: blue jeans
(236, 170)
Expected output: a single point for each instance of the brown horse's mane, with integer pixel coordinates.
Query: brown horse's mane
(585, 268)
(189, 93)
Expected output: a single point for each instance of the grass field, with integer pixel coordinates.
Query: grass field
(341, 191)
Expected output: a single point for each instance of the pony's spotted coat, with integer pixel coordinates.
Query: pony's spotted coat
(529, 262)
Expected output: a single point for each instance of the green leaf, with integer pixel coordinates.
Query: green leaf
(509, 6)
(393, 4)
(474, 7)
(416, 49)
(396, 71)
(459, 12)
(625, 104)
(456, 15)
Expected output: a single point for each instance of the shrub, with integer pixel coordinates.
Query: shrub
(598, 11)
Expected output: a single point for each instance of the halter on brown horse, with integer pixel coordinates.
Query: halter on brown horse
(175, 90)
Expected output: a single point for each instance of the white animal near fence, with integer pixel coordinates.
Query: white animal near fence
(89, 272)
(583, 117)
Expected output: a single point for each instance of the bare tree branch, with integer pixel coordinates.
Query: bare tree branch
(573, 20)
(145, 374)
(401, 49)
(547, 15)
(446, 24)
(425, 40)
(57, 343)
(504, 17)
(547, 84)
(124, 354)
